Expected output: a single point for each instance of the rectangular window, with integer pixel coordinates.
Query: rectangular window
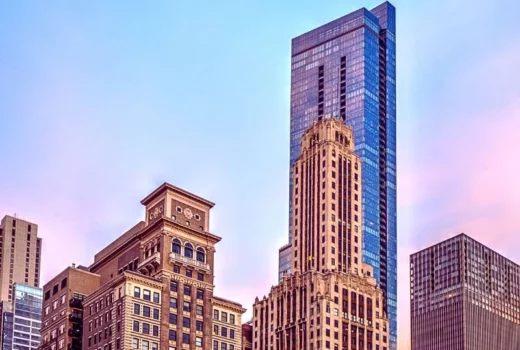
(155, 331)
(231, 319)
(146, 345)
(173, 286)
(136, 326)
(137, 292)
(186, 306)
(215, 345)
(155, 297)
(146, 328)
(137, 309)
(198, 341)
(200, 326)
(185, 338)
(224, 316)
(146, 311)
(173, 303)
(223, 346)
(187, 290)
(172, 335)
(156, 314)
(215, 330)
(200, 310)
(189, 273)
(135, 343)
(155, 346)
(200, 276)
(223, 331)
(146, 295)
(200, 294)
(232, 333)
(176, 269)
(173, 319)
(186, 322)
(215, 314)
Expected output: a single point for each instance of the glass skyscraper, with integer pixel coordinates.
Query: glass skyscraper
(21, 322)
(346, 69)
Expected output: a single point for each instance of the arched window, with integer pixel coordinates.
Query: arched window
(188, 251)
(201, 255)
(176, 246)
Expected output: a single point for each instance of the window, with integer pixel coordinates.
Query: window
(63, 298)
(186, 306)
(232, 333)
(223, 346)
(173, 319)
(173, 303)
(135, 343)
(173, 286)
(136, 326)
(188, 250)
(215, 314)
(55, 289)
(146, 345)
(199, 326)
(146, 328)
(186, 322)
(185, 338)
(155, 346)
(200, 276)
(198, 341)
(200, 294)
(200, 310)
(189, 273)
(223, 331)
(224, 316)
(137, 292)
(146, 295)
(201, 255)
(172, 335)
(137, 309)
(176, 269)
(155, 331)
(146, 311)
(215, 345)
(215, 330)
(155, 297)
(156, 314)
(176, 246)
(187, 290)
(231, 319)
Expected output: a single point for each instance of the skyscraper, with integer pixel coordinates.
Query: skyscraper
(464, 296)
(20, 255)
(331, 299)
(346, 69)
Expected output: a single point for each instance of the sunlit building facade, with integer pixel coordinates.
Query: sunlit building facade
(346, 69)
(464, 296)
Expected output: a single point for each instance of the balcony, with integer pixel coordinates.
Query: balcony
(177, 258)
(76, 303)
(75, 332)
(76, 318)
(150, 264)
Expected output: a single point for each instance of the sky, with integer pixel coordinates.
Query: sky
(102, 101)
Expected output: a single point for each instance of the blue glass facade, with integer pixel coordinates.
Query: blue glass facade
(346, 69)
(27, 310)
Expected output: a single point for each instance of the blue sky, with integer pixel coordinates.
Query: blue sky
(100, 102)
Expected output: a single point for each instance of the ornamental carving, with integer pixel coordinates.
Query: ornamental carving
(156, 212)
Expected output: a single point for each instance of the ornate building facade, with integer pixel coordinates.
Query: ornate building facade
(331, 299)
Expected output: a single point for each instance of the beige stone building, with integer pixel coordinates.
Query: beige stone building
(331, 300)
(20, 255)
(227, 324)
(63, 304)
(156, 280)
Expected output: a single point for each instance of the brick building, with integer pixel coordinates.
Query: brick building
(227, 324)
(156, 280)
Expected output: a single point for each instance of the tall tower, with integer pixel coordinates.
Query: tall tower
(331, 299)
(20, 255)
(346, 69)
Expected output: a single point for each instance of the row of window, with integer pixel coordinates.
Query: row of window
(146, 311)
(223, 331)
(145, 345)
(189, 273)
(147, 295)
(188, 250)
(224, 316)
(186, 306)
(145, 328)
(186, 322)
(187, 290)
(223, 346)
(172, 335)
